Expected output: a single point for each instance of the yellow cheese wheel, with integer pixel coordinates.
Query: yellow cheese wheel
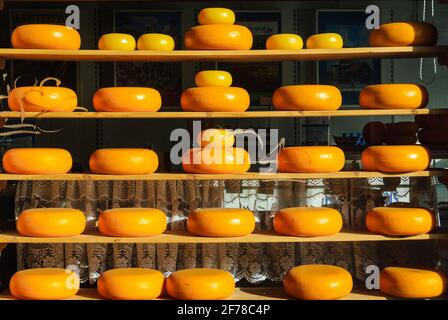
(218, 37)
(395, 158)
(127, 99)
(412, 283)
(213, 78)
(132, 222)
(37, 161)
(307, 222)
(51, 222)
(216, 16)
(325, 41)
(44, 284)
(393, 96)
(217, 138)
(307, 98)
(398, 34)
(311, 159)
(123, 161)
(155, 41)
(317, 282)
(116, 41)
(45, 36)
(284, 41)
(220, 222)
(200, 284)
(42, 99)
(399, 221)
(215, 99)
(131, 284)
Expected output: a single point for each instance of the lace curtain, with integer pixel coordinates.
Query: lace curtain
(252, 262)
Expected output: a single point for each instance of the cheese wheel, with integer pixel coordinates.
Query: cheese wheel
(216, 160)
(311, 159)
(45, 36)
(116, 41)
(131, 284)
(37, 161)
(395, 158)
(216, 16)
(132, 222)
(200, 284)
(285, 41)
(393, 96)
(398, 34)
(123, 161)
(217, 138)
(42, 99)
(220, 222)
(325, 41)
(213, 78)
(155, 41)
(44, 284)
(317, 282)
(374, 133)
(51, 222)
(307, 98)
(436, 136)
(412, 283)
(307, 222)
(127, 99)
(215, 99)
(218, 37)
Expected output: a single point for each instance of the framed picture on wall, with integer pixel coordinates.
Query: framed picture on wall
(350, 76)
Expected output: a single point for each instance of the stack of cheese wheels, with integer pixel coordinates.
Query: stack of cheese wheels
(398, 34)
(45, 36)
(220, 222)
(399, 221)
(395, 158)
(325, 41)
(217, 31)
(123, 161)
(284, 41)
(37, 161)
(393, 96)
(307, 222)
(116, 41)
(131, 284)
(307, 98)
(200, 284)
(51, 222)
(412, 283)
(309, 159)
(433, 129)
(132, 222)
(214, 93)
(127, 99)
(44, 284)
(317, 282)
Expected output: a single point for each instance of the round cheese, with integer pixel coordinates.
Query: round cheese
(42, 99)
(213, 78)
(216, 16)
(397, 34)
(215, 99)
(37, 161)
(116, 41)
(285, 41)
(218, 37)
(127, 99)
(311, 159)
(325, 41)
(155, 41)
(217, 138)
(307, 98)
(45, 36)
(393, 96)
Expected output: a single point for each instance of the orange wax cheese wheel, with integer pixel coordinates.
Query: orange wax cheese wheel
(307, 222)
(412, 283)
(45, 36)
(216, 16)
(127, 99)
(215, 99)
(220, 222)
(155, 41)
(399, 221)
(393, 96)
(42, 99)
(200, 284)
(213, 78)
(116, 41)
(123, 161)
(216, 138)
(395, 158)
(317, 282)
(51, 222)
(325, 41)
(132, 222)
(311, 159)
(218, 37)
(307, 98)
(216, 160)
(398, 34)
(44, 284)
(285, 41)
(131, 284)
(37, 161)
